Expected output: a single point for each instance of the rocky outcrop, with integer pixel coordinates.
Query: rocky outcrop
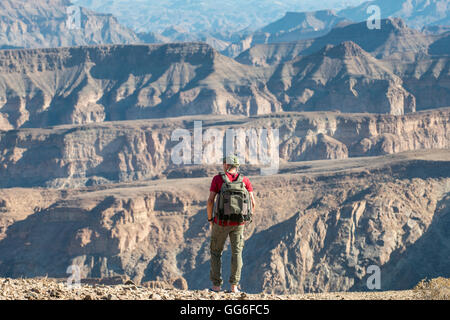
(93, 84)
(42, 24)
(294, 26)
(342, 77)
(427, 79)
(128, 151)
(320, 234)
(393, 39)
(314, 147)
(47, 87)
(355, 230)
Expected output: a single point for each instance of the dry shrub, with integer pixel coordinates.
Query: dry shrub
(434, 289)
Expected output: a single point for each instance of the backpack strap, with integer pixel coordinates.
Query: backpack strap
(218, 208)
(227, 180)
(225, 177)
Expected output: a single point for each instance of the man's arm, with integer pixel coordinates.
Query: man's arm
(252, 198)
(210, 205)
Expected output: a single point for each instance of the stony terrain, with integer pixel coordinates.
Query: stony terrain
(53, 289)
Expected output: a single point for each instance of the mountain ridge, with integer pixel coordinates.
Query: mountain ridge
(44, 24)
(394, 38)
(417, 13)
(45, 87)
(294, 26)
(343, 76)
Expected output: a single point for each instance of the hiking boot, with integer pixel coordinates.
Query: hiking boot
(233, 289)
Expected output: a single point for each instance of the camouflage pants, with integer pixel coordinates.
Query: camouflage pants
(219, 235)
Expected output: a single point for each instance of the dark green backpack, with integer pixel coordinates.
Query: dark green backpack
(233, 201)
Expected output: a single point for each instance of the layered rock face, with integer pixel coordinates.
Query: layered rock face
(344, 78)
(45, 87)
(93, 84)
(127, 151)
(294, 26)
(394, 38)
(331, 243)
(315, 230)
(41, 24)
(427, 79)
(394, 69)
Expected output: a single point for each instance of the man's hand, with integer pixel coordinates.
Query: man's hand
(210, 205)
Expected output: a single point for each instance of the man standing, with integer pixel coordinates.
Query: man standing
(233, 208)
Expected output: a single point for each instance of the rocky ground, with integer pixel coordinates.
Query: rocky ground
(56, 289)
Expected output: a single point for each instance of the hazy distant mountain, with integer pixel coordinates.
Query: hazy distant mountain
(210, 16)
(302, 23)
(416, 13)
(394, 38)
(293, 26)
(43, 23)
(430, 16)
(40, 23)
(435, 29)
(178, 34)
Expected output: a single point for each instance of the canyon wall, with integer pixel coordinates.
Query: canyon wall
(73, 156)
(312, 232)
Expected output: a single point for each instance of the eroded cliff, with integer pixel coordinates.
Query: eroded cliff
(73, 156)
(316, 228)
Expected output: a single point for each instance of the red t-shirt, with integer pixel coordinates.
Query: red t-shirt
(216, 185)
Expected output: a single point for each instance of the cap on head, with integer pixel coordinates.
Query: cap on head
(232, 160)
